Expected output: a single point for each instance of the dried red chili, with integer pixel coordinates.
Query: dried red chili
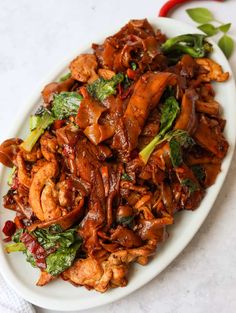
(171, 4)
(38, 252)
(9, 228)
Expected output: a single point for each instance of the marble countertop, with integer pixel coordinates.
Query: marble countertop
(35, 36)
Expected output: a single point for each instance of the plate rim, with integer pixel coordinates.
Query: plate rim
(6, 271)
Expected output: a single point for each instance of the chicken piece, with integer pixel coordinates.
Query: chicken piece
(212, 107)
(126, 237)
(215, 71)
(84, 67)
(40, 179)
(49, 202)
(49, 146)
(8, 151)
(45, 278)
(99, 276)
(106, 74)
(22, 174)
(65, 221)
(145, 97)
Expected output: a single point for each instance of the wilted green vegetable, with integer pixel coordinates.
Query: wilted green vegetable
(190, 184)
(65, 104)
(199, 172)
(65, 77)
(168, 114)
(192, 44)
(66, 244)
(183, 140)
(102, 88)
(42, 123)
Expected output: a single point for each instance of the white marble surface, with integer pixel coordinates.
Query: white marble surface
(35, 36)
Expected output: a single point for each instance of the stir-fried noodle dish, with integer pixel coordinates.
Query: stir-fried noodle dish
(131, 135)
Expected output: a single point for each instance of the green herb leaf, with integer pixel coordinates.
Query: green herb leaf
(225, 28)
(226, 44)
(190, 184)
(200, 15)
(133, 66)
(125, 176)
(208, 29)
(199, 172)
(126, 220)
(103, 88)
(178, 141)
(175, 153)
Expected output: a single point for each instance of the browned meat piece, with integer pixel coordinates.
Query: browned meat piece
(22, 174)
(8, 151)
(211, 108)
(145, 97)
(214, 71)
(84, 67)
(45, 278)
(53, 88)
(65, 221)
(126, 237)
(211, 138)
(92, 274)
(211, 172)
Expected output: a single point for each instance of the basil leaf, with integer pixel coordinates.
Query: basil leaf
(126, 220)
(133, 66)
(200, 15)
(198, 172)
(169, 112)
(226, 44)
(225, 28)
(125, 176)
(175, 153)
(208, 29)
(191, 185)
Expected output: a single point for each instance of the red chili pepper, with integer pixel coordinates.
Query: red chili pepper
(171, 4)
(131, 74)
(58, 124)
(9, 228)
(38, 252)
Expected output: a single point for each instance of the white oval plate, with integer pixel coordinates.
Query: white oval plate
(60, 295)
